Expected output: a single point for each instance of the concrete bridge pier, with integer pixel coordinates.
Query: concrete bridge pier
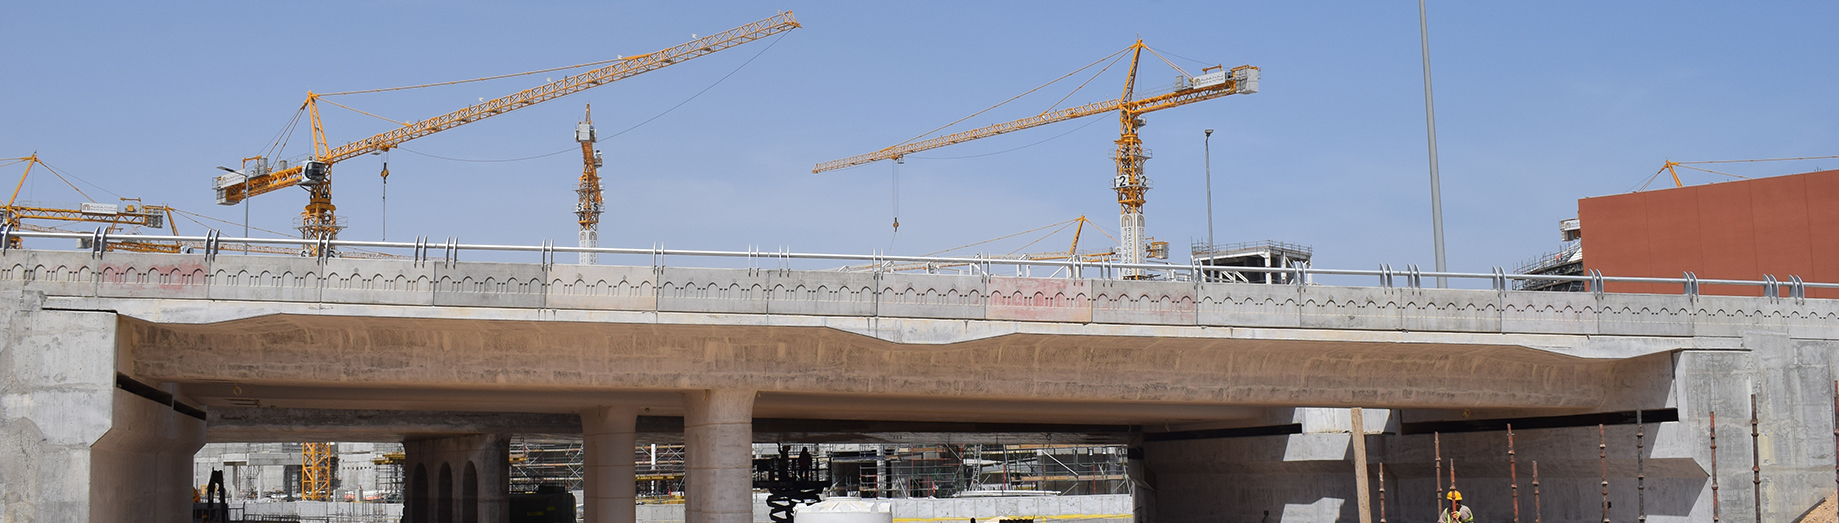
(718, 456)
(608, 435)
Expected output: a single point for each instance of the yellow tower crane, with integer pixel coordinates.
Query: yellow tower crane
(1130, 182)
(587, 209)
(319, 221)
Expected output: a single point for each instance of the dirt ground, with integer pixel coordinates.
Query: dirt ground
(1822, 513)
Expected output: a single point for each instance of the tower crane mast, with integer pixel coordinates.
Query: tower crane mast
(587, 209)
(319, 220)
(1130, 182)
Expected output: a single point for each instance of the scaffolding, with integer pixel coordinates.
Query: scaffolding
(1265, 253)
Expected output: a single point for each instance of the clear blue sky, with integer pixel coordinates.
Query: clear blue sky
(1539, 104)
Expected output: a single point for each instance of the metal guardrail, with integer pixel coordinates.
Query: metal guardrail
(1410, 277)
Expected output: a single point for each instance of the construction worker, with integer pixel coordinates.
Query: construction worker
(1455, 504)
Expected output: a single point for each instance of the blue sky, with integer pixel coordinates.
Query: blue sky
(1538, 104)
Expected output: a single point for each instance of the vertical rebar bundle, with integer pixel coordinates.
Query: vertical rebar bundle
(1382, 483)
(1436, 439)
(1454, 513)
(1537, 510)
(1640, 471)
(1602, 454)
(1715, 516)
(1513, 474)
(1755, 458)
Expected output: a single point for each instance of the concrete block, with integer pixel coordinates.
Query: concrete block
(1548, 312)
(1039, 299)
(1452, 310)
(821, 293)
(713, 290)
(146, 275)
(1145, 302)
(266, 278)
(382, 282)
(489, 284)
(1248, 305)
(932, 296)
(1354, 307)
(602, 287)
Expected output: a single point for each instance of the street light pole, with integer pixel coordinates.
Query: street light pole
(1430, 119)
(1207, 146)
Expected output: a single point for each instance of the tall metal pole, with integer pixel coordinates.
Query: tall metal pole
(1430, 119)
(1836, 432)
(1382, 489)
(1207, 146)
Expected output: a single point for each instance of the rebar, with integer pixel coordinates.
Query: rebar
(1716, 517)
(1602, 454)
(1537, 510)
(1436, 439)
(1513, 474)
(1454, 513)
(1755, 458)
(1640, 471)
(1382, 488)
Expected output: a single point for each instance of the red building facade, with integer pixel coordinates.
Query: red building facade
(1741, 230)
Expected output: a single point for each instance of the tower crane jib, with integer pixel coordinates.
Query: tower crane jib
(319, 221)
(1130, 182)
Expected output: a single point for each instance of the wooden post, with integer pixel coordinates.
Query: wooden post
(1360, 488)
(1513, 474)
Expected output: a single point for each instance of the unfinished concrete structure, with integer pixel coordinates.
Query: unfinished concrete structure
(1232, 395)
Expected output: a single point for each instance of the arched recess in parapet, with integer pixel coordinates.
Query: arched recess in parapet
(469, 497)
(443, 499)
(418, 495)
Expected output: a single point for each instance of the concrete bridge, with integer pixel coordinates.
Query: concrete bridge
(117, 367)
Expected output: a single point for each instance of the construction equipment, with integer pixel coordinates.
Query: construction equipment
(1071, 253)
(1130, 182)
(318, 220)
(1670, 168)
(318, 463)
(587, 209)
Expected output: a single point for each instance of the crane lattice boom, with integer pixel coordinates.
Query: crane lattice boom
(317, 220)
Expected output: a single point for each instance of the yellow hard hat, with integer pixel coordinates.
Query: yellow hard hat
(1454, 496)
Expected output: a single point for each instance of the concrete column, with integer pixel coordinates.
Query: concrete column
(718, 456)
(608, 439)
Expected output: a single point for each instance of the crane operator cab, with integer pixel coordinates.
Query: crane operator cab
(314, 172)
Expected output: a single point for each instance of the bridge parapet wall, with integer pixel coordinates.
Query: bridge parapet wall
(898, 295)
